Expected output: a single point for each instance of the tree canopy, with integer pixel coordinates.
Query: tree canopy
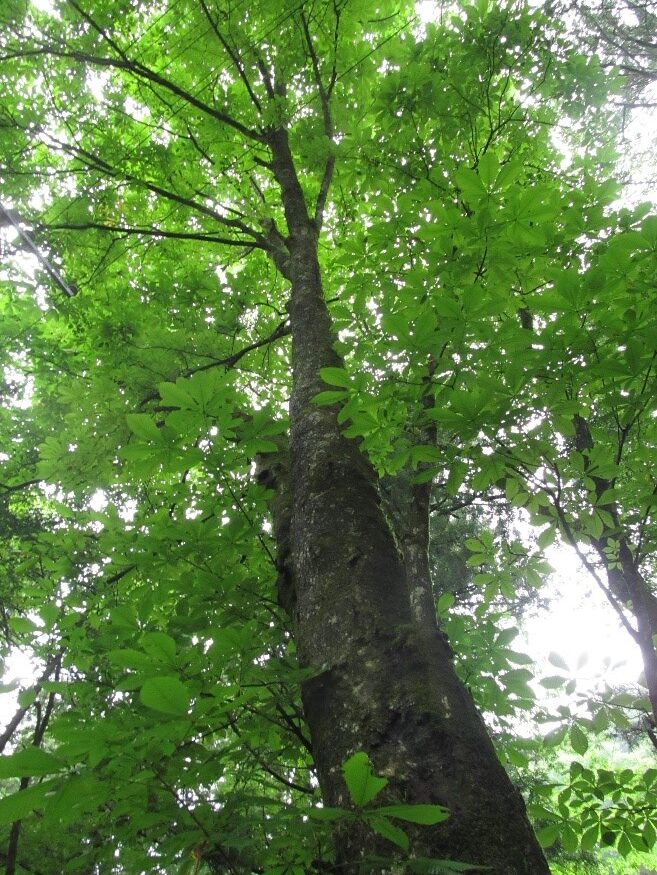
(284, 282)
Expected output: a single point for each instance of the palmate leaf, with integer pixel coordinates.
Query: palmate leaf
(335, 377)
(143, 426)
(160, 646)
(331, 396)
(548, 835)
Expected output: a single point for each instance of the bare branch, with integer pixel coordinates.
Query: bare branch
(325, 102)
(281, 330)
(140, 71)
(155, 232)
(97, 163)
(52, 665)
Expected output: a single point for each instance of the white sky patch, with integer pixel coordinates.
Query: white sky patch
(98, 501)
(20, 672)
(427, 10)
(96, 82)
(579, 621)
(45, 6)
(639, 137)
(136, 110)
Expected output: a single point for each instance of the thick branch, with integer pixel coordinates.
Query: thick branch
(18, 486)
(138, 69)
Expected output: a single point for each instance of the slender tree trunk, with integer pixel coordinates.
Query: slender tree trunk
(382, 684)
(644, 608)
(626, 583)
(414, 530)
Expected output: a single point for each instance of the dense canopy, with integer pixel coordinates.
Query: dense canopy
(284, 282)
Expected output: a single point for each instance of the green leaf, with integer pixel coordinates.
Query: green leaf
(624, 845)
(488, 168)
(457, 474)
(176, 395)
(506, 636)
(578, 740)
(590, 837)
(546, 538)
(132, 659)
(362, 783)
(49, 614)
(555, 736)
(21, 625)
(24, 802)
(167, 695)
(517, 758)
(558, 660)
(30, 762)
(569, 839)
(420, 813)
(470, 185)
(324, 399)
(388, 830)
(143, 426)
(160, 646)
(518, 658)
(553, 682)
(335, 377)
(548, 835)
(27, 697)
(444, 603)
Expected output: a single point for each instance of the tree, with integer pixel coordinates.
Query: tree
(199, 201)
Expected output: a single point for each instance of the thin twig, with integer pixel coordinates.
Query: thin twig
(156, 232)
(281, 330)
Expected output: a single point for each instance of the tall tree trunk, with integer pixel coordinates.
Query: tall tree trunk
(382, 683)
(627, 586)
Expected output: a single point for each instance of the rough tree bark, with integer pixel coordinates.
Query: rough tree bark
(383, 683)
